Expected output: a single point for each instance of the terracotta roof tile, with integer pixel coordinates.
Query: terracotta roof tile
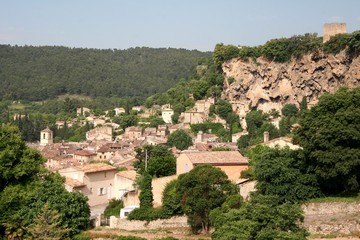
(217, 157)
(96, 167)
(131, 174)
(73, 182)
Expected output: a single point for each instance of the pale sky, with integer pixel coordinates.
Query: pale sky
(189, 24)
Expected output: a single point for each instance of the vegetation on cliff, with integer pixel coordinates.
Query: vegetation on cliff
(283, 49)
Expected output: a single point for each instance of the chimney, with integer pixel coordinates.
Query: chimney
(266, 136)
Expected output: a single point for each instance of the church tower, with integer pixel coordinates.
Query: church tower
(46, 137)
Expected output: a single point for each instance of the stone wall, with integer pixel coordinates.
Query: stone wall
(332, 218)
(320, 218)
(174, 222)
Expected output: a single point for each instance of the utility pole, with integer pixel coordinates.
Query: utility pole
(146, 157)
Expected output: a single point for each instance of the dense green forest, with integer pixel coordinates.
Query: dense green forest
(40, 73)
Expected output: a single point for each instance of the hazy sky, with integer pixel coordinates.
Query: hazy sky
(190, 24)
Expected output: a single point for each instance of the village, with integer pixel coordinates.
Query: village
(102, 168)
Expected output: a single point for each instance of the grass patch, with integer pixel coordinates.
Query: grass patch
(339, 198)
(73, 96)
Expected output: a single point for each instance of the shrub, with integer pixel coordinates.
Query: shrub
(147, 214)
(113, 209)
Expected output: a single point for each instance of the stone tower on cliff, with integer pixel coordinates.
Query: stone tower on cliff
(331, 29)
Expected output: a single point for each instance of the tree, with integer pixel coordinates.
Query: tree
(289, 110)
(126, 121)
(254, 120)
(330, 136)
(162, 166)
(155, 121)
(303, 104)
(203, 189)
(159, 160)
(18, 163)
(180, 139)
(113, 209)
(223, 108)
(21, 203)
(146, 196)
(279, 173)
(25, 186)
(171, 199)
(263, 217)
(48, 225)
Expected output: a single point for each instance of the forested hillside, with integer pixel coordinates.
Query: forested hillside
(39, 73)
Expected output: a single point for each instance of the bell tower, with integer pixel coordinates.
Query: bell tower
(46, 137)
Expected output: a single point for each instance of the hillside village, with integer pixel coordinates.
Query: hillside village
(262, 106)
(102, 166)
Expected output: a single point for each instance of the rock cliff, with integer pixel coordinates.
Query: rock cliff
(265, 84)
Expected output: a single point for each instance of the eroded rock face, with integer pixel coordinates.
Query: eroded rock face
(267, 85)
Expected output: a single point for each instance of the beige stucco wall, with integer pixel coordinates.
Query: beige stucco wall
(122, 185)
(95, 182)
(181, 163)
(131, 199)
(233, 172)
(158, 185)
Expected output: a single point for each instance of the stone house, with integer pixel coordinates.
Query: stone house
(84, 156)
(100, 133)
(162, 130)
(199, 113)
(82, 111)
(231, 162)
(96, 181)
(119, 110)
(133, 133)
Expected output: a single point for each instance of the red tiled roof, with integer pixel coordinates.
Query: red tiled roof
(131, 174)
(96, 167)
(85, 153)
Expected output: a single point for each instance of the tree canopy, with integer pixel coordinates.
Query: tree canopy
(330, 136)
(203, 189)
(263, 217)
(26, 186)
(159, 161)
(180, 139)
(279, 172)
(39, 73)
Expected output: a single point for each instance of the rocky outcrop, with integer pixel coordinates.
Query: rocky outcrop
(266, 85)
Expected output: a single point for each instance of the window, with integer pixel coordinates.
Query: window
(101, 191)
(44, 136)
(91, 190)
(186, 168)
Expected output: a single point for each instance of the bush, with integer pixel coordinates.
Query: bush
(147, 214)
(113, 209)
